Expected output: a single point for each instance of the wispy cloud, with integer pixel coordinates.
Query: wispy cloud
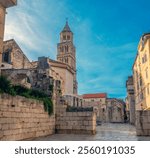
(103, 60)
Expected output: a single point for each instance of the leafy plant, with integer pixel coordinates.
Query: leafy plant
(6, 87)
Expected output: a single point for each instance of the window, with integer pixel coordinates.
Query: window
(140, 81)
(144, 58)
(148, 90)
(141, 96)
(66, 60)
(68, 37)
(64, 37)
(6, 56)
(146, 73)
(66, 48)
(137, 86)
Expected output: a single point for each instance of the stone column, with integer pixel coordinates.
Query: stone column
(2, 25)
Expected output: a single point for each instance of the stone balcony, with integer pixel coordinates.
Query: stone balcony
(8, 3)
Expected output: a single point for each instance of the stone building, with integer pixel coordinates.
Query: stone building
(3, 5)
(141, 80)
(13, 57)
(115, 110)
(141, 74)
(17, 66)
(98, 101)
(73, 100)
(65, 65)
(130, 100)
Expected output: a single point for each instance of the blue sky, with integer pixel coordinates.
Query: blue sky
(106, 35)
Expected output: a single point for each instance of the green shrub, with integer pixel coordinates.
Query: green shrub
(6, 87)
(48, 105)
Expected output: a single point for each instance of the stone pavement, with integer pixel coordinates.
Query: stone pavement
(105, 132)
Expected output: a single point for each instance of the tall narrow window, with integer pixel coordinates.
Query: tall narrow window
(140, 81)
(143, 60)
(67, 48)
(148, 90)
(6, 56)
(64, 37)
(146, 73)
(68, 37)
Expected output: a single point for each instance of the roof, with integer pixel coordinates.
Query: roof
(117, 100)
(97, 95)
(66, 28)
(12, 41)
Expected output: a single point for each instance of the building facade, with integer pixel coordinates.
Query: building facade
(141, 80)
(141, 74)
(115, 111)
(98, 102)
(3, 5)
(13, 57)
(130, 100)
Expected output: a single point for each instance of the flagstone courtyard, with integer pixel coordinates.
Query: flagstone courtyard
(105, 132)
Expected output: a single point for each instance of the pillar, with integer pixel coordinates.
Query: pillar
(2, 25)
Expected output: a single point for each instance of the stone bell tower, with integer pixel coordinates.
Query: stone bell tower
(3, 5)
(66, 52)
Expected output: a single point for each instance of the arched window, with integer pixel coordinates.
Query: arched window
(67, 48)
(68, 37)
(64, 37)
(67, 60)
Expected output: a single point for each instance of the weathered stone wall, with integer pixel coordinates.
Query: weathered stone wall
(115, 112)
(143, 123)
(75, 122)
(22, 118)
(13, 55)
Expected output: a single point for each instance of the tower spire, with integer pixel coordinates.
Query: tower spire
(66, 27)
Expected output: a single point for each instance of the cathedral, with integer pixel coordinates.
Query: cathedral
(20, 70)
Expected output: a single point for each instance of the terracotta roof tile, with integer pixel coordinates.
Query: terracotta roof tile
(97, 95)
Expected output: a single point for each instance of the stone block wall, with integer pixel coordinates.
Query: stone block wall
(143, 123)
(22, 118)
(75, 122)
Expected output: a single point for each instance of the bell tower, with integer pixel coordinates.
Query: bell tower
(66, 52)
